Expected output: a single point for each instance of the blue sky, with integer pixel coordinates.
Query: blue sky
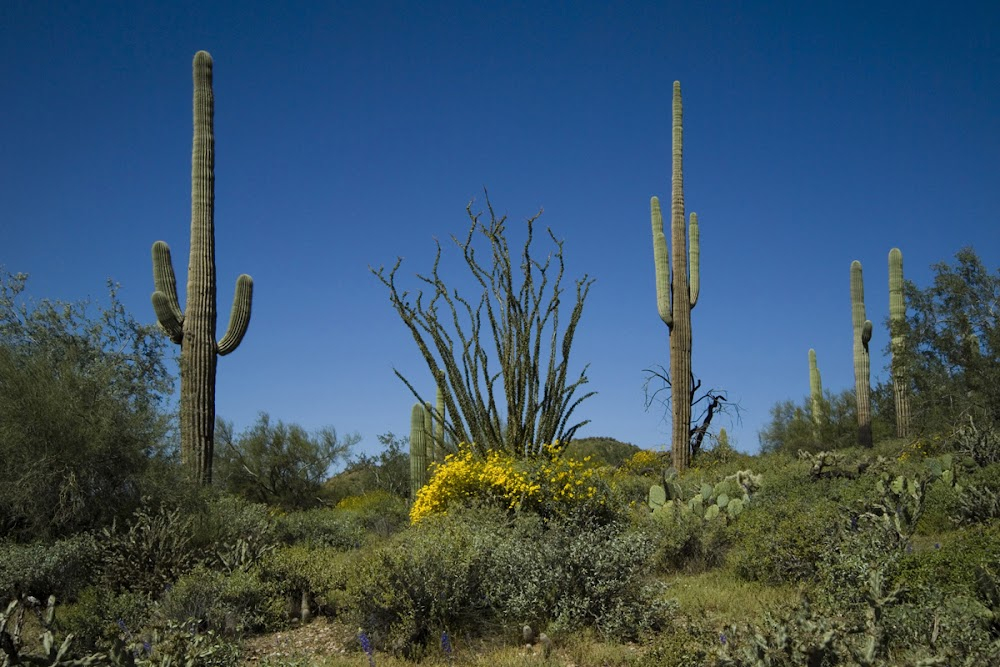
(350, 133)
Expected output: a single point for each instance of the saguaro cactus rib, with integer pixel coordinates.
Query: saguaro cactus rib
(677, 288)
(862, 363)
(194, 328)
(897, 321)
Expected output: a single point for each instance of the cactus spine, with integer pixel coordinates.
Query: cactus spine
(897, 320)
(815, 391)
(677, 291)
(418, 448)
(862, 363)
(194, 328)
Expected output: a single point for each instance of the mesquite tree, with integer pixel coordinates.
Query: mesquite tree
(527, 400)
(677, 291)
(194, 328)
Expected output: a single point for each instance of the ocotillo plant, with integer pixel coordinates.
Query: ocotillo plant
(897, 321)
(677, 291)
(418, 448)
(815, 391)
(862, 364)
(194, 328)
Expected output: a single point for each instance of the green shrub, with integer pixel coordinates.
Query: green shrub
(380, 513)
(781, 540)
(469, 570)
(238, 602)
(322, 527)
(61, 568)
(94, 617)
(319, 571)
(949, 564)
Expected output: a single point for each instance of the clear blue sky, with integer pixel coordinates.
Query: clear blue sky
(348, 133)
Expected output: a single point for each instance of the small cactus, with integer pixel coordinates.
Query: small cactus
(815, 392)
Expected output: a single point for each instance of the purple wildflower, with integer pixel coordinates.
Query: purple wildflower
(722, 638)
(366, 646)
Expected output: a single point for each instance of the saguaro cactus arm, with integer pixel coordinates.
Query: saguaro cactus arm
(694, 259)
(239, 317)
(661, 260)
(165, 303)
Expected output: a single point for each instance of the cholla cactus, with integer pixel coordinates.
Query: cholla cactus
(677, 286)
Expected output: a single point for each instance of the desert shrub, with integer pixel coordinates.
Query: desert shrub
(781, 539)
(98, 614)
(380, 513)
(319, 571)
(61, 568)
(153, 550)
(236, 602)
(469, 570)
(942, 502)
(421, 582)
(950, 563)
(321, 527)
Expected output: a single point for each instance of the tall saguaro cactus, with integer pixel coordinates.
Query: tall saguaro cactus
(815, 392)
(194, 328)
(862, 363)
(897, 320)
(677, 291)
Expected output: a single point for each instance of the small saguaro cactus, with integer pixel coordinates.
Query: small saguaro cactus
(418, 448)
(815, 391)
(677, 284)
(897, 321)
(194, 328)
(862, 363)
(439, 420)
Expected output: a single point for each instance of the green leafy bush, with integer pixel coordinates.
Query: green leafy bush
(473, 569)
(322, 527)
(237, 602)
(319, 571)
(379, 512)
(95, 616)
(781, 538)
(61, 568)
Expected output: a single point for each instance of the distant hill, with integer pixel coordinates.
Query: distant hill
(610, 451)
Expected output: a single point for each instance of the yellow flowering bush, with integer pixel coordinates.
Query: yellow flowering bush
(642, 462)
(549, 484)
